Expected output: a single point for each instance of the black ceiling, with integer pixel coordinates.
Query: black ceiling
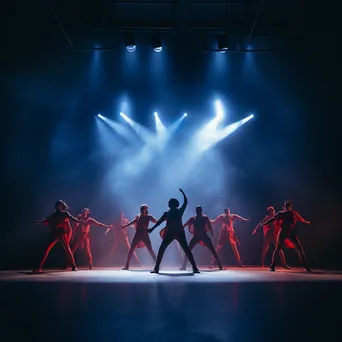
(99, 24)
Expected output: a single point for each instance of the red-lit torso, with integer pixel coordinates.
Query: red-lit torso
(267, 228)
(143, 222)
(84, 227)
(287, 219)
(227, 223)
(59, 220)
(199, 224)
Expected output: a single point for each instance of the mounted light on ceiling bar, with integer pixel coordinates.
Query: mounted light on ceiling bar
(157, 42)
(130, 42)
(222, 42)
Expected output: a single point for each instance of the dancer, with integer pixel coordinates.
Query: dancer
(141, 223)
(81, 234)
(59, 222)
(198, 226)
(174, 231)
(121, 238)
(227, 234)
(288, 218)
(270, 237)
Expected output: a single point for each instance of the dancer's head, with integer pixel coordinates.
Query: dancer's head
(271, 211)
(287, 205)
(199, 210)
(173, 203)
(144, 209)
(227, 211)
(86, 213)
(60, 205)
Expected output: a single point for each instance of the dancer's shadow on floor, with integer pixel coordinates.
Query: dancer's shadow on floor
(176, 274)
(145, 271)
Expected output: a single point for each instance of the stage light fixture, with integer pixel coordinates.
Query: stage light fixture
(157, 42)
(130, 42)
(222, 42)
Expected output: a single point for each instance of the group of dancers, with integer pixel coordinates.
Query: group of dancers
(278, 229)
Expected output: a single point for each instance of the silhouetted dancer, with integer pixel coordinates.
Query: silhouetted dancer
(227, 234)
(59, 222)
(174, 231)
(141, 223)
(121, 238)
(82, 234)
(270, 230)
(288, 218)
(198, 226)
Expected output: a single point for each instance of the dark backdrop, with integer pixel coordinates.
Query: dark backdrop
(289, 151)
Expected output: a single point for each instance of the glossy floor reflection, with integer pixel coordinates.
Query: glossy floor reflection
(112, 305)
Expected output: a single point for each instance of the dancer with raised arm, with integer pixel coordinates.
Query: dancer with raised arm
(288, 218)
(141, 223)
(59, 222)
(227, 234)
(270, 230)
(174, 231)
(198, 226)
(82, 234)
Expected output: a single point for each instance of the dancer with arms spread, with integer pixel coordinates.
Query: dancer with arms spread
(227, 234)
(141, 223)
(270, 230)
(174, 231)
(59, 222)
(288, 218)
(198, 226)
(82, 234)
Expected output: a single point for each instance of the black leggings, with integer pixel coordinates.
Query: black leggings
(282, 236)
(168, 238)
(207, 242)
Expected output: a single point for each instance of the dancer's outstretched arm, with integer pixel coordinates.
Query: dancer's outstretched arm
(99, 224)
(300, 219)
(276, 217)
(159, 222)
(74, 219)
(218, 218)
(240, 218)
(261, 223)
(130, 223)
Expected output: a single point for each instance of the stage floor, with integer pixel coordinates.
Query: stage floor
(231, 305)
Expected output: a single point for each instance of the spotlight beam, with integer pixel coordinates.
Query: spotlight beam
(140, 130)
(160, 128)
(216, 136)
(120, 129)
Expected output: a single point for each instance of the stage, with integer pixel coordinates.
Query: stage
(231, 305)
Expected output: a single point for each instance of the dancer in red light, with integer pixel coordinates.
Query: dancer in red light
(288, 218)
(59, 222)
(82, 236)
(270, 237)
(174, 231)
(141, 223)
(227, 234)
(121, 238)
(198, 226)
